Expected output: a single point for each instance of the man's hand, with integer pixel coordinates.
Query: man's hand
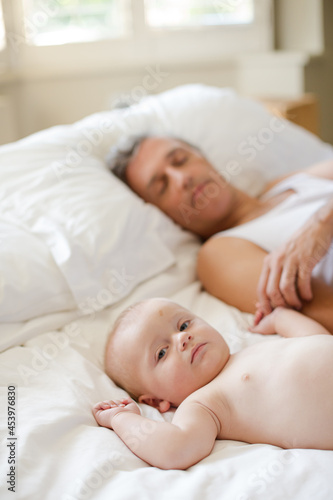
(285, 279)
(105, 411)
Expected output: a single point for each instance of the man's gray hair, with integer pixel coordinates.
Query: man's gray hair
(122, 153)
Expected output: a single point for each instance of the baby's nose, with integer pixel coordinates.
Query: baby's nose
(184, 339)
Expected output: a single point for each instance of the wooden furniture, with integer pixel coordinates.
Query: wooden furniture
(303, 111)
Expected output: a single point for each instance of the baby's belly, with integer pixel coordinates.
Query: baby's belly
(281, 393)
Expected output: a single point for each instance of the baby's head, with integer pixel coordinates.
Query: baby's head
(160, 353)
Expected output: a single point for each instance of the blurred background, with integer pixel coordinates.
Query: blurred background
(61, 60)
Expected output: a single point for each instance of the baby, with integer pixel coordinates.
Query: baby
(278, 392)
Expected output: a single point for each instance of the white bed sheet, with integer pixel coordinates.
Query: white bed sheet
(68, 228)
(61, 453)
(54, 360)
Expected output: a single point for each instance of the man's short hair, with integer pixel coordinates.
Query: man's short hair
(121, 155)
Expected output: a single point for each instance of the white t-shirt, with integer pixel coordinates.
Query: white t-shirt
(276, 226)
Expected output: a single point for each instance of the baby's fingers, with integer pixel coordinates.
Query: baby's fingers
(127, 401)
(102, 405)
(106, 405)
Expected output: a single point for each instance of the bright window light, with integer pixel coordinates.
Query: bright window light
(55, 22)
(2, 30)
(196, 13)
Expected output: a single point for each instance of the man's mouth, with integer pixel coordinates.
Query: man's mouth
(196, 351)
(197, 192)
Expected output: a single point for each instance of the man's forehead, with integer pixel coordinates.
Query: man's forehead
(163, 144)
(154, 150)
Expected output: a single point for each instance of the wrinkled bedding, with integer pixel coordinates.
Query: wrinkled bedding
(77, 247)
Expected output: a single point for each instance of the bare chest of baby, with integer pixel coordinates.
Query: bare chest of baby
(278, 392)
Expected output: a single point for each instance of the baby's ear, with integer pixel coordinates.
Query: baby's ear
(159, 404)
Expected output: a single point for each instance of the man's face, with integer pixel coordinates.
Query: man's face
(171, 352)
(181, 182)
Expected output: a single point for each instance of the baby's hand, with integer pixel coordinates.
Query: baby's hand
(105, 411)
(263, 324)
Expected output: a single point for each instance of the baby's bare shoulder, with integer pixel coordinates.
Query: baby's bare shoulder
(200, 404)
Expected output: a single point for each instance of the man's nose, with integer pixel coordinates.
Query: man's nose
(177, 176)
(183, 340)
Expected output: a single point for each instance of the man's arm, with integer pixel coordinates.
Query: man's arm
(286, 271)
(322, 169)
(177, 445)
(229, 269)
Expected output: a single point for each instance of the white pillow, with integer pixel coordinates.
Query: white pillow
(82, 240)
(30, 281)
(87, 233)
(245, 142)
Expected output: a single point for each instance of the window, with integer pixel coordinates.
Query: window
(52, 22)
(196, 13)
(56, 22)
(49, 38)
(2, 30)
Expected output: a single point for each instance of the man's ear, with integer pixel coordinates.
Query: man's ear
(160, 404)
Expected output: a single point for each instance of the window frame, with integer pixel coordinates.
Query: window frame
(146, 47)
(4, 52)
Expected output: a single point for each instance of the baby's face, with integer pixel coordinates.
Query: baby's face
(171, 352)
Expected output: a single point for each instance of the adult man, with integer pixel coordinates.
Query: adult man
(177, 178)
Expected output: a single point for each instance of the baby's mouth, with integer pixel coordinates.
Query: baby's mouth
(196, 351)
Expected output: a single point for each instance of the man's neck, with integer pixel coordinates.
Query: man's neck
(244, 209)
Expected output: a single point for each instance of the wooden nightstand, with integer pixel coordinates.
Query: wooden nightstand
(302, 111)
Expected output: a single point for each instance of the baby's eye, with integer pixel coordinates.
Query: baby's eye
(183, 326)
(162, 353)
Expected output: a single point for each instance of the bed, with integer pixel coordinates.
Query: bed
(77, 246)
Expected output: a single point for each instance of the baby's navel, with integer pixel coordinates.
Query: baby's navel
(245, 377)
(160, 312)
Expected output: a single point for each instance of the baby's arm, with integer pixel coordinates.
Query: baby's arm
(177, 445)
(288, 323)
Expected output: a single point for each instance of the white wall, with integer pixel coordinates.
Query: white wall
(46, 102)
(300, 25)
(306, 25)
